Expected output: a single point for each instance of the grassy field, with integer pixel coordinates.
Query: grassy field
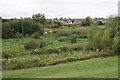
(17, 49)
(15, 56)
(96, 68)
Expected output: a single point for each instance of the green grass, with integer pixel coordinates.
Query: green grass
(96, 68)
(17, 49)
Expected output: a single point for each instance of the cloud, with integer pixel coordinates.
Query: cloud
(58, 8)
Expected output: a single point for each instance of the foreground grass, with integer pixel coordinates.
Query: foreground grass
(96, 68)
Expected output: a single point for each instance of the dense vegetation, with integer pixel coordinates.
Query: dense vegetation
(107, 38)
(13, 29)
(43, 46)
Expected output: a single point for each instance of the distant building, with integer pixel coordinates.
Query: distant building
(76, 21)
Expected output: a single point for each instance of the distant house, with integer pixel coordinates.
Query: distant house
(76, 21)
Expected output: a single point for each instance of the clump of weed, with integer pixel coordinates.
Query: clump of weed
(35, 35)
(73, 38)
(31, 45)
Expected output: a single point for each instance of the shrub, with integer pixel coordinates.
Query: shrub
(106, 38)
(6, 55)
(31, 45)
(42, 44)
(18, 35)
(7, 31)
(99, 23)
(116, 44)
(95, 36)
(54, 26)
(35, 35)
(27, 35)
(62, 39)
(73, 39)
(40, 31)
(63, 33)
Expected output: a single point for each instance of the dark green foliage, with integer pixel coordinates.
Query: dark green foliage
(62, 39)
(63, 33)
(9, 29)
(31, 45)
(83, 23)
(80, 33)
(99, 23)
(116, 44)
(35, 35)
(18, 35)
(71, 25)
(95, 36)
(42, 44)
(39, 18)
(27, 35)
(58, 23)
(4, 20)
(106, 38)
(86, 22)
(54, 26)
(73, 38)
(30, 26)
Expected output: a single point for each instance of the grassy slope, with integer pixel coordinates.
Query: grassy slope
(97, 68)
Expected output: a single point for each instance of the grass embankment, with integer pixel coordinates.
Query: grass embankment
(96, 68)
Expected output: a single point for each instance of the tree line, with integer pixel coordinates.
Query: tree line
(13, 28)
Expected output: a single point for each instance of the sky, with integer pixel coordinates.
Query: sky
(58, 8)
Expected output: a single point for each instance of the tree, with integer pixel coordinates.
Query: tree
(73, 21)
(11, 28)
(0, 18)
(56, 19)
(106, 38)
(61, 18)
(83, 23)
(99, 23)
(88, 21)
(7, 31)
(40, 18)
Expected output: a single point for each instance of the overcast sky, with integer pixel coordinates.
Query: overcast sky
(58, 8)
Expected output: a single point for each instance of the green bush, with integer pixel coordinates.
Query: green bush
(31, 45)
(83, 34)
(62, 39)
(63, 33)
(95, 36)
(9, 29)
(99, 23)
(35, 35)
(73, 38)
(18, 35)
(27, 35)
(80, 33)
(116, 44)
(54, 25)
(106, 38)
(42, 44)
